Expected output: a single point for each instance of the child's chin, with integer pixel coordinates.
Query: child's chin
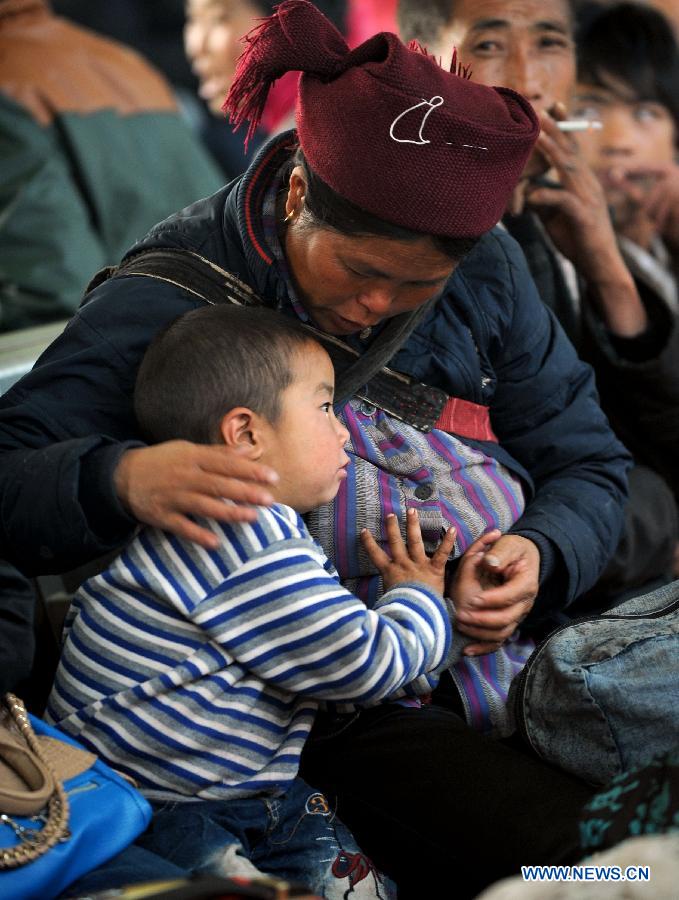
(308, 503)
(327, 497)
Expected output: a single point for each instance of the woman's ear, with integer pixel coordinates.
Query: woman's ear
(294, 202)
(241, 428)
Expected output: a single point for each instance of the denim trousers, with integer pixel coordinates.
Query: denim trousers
(295, 837)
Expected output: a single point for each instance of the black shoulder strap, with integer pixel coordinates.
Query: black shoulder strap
(363, 375)
(187, 270)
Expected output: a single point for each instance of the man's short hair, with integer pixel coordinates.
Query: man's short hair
(209, 361)
(423, 20)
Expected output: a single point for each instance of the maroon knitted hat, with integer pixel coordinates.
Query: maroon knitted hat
(386, 127)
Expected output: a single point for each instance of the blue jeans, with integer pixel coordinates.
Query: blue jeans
(296, 837)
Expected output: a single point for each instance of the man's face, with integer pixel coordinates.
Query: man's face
(525, 45)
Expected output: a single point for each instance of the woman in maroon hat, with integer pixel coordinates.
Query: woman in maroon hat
(485, 419)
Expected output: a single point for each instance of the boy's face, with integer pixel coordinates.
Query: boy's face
(306, 444)
(637, 136)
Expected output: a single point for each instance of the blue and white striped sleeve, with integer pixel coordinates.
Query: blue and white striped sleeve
(284, 617)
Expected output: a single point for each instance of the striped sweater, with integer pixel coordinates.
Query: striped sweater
(200, 672)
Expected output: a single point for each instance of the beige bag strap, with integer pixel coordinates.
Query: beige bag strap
(42, 788)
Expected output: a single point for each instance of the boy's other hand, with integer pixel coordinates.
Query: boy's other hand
(165, 484)
(408, 561)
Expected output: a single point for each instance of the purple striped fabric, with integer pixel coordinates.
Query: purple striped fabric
(393, 467)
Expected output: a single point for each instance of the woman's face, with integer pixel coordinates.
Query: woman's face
(212, 42)
(350, 283)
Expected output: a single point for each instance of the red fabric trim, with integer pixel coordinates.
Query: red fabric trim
(466, 419)
(249, 212)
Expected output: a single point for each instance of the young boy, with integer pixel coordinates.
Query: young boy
(628, 70)
(199, 672)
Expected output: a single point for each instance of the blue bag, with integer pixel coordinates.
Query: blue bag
(102, 813)
(601, 694)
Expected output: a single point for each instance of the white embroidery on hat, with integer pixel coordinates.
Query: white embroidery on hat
(469, 146)
(431, 106)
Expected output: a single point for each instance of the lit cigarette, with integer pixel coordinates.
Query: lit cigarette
(579, 125)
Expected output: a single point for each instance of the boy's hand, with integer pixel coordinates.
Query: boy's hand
(164, 484)
(494, 589)
(659, 199)
(409, 562)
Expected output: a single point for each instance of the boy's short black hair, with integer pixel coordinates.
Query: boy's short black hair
(632, 45)
(208, 362)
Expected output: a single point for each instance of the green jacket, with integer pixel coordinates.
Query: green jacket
(93, 152)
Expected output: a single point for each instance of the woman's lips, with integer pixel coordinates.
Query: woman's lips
(347, 323)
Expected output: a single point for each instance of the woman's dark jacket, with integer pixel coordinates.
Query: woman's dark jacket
(488, 339)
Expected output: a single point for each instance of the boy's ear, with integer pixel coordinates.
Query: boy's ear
(240, 427)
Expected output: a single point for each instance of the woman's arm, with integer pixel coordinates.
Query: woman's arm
(546, 414)
(75, 478)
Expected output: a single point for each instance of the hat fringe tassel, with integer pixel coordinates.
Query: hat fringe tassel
(255, 72)
(457, 68)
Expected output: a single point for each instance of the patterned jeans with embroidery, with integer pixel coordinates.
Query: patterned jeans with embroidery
(296, 837)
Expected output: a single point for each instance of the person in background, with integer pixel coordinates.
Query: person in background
(628, 74)
(93, 152)
(484, 418)
(560, 218)
(153, 28)
(211, 46)
(628, 80)
(213, 35)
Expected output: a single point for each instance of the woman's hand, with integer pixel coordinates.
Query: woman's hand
(409, 562)
(165, 484)
(494, 589)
